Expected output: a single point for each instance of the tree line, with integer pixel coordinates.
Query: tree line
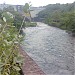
(59, 15)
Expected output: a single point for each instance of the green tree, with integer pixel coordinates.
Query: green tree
(27, 10)
(70, 22)
(10, 58)
(18, 20)
(9, 17)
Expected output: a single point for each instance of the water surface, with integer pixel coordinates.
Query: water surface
(51, 48)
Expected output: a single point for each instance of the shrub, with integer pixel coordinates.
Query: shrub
(10, 58)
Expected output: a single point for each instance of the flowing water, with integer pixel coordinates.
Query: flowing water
(51, 48)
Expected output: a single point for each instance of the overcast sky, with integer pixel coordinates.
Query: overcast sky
(36, 2)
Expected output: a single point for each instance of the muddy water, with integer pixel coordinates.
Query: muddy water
(51, 48)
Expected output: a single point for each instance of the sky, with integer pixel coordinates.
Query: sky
(36, 3)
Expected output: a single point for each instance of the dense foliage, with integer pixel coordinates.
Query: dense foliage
(11, 24)
(10, 59)
(69, 22)
(59, 15)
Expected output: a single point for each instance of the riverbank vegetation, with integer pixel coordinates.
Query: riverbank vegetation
(59, 15)
(11, 24)
(10, 59)
(20, 16)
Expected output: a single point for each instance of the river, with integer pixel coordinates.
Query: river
(51, 48)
